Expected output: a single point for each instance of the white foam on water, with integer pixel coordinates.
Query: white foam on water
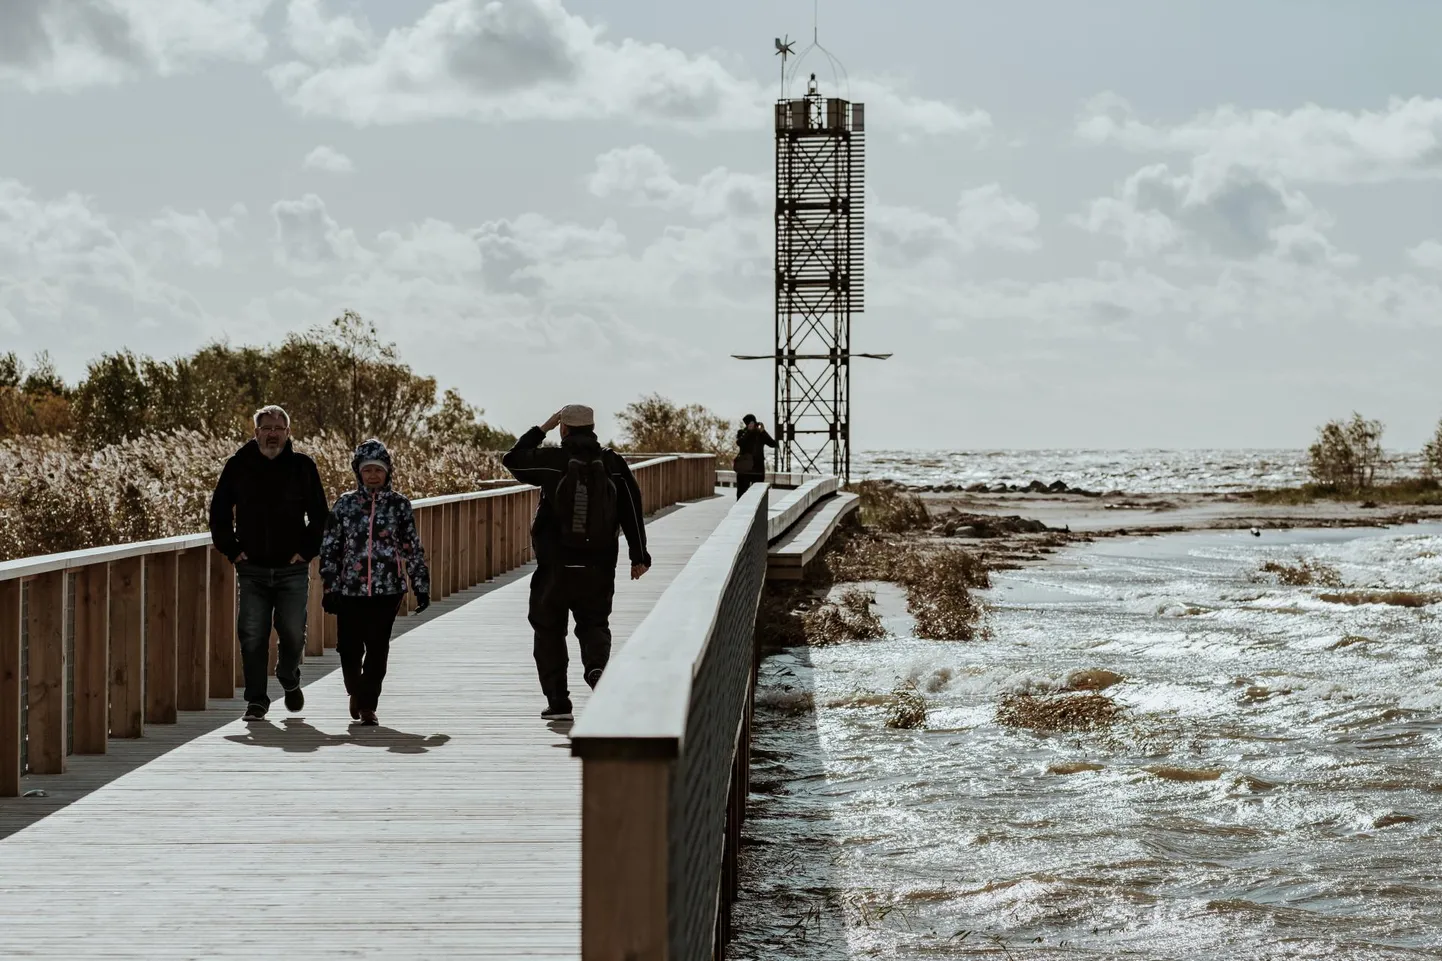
(1236, 811)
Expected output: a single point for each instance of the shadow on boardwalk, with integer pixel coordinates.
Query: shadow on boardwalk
(294, 736)
(87, 773)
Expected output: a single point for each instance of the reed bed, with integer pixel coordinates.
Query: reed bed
(59, 495)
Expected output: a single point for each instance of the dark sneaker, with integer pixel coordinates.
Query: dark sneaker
(294, 699)
(255, 712)
(354, 709)
(593, 677)
(558, 712)
(368, 718)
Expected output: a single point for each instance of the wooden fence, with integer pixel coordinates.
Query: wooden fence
(99, 643)
(665, 748)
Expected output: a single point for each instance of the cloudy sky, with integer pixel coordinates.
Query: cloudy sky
(1115, 223)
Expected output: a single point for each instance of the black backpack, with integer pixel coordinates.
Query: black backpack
(586, 505)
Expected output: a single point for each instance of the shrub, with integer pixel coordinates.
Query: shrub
(656, 425)
(1432, 453)
(1347, 454)
(888, 507)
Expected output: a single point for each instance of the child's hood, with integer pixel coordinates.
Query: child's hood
(371, 450)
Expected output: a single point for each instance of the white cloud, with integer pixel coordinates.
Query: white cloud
(323, 38)
(1246, 215)
(639, 175)
(532, 59)
(328, 160)
(985, 217)
(308, 240)
(1427, 254)
(1310, 144)
(70, 44)
(66, 274)
(173, 237)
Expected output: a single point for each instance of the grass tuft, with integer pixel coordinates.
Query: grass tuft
(1063, 712)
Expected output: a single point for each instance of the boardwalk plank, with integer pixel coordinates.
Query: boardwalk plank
(451, 831)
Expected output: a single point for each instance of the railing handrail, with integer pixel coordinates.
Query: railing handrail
(641, 705)
(46, 563)
(787, 510)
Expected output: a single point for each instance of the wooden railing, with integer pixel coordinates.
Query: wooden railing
(727, 478)
(149, 627)
(665, 749)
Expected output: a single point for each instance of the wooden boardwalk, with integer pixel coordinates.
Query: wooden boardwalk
(451, 831)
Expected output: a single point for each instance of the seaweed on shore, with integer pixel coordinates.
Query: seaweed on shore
(907, 710)
(1303, 573)
(1061, 712)
(848, 618)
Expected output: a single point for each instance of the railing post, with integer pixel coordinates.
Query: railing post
(625, 823)
(10, 681)
(193, 635)
(224, 645)
(46, 721)
(161, 590)
(439, 573)
(92, 659)
(460, 554)
(484, 527)
(477, 521)
(502, 533)
(127, 647)
(314, 631)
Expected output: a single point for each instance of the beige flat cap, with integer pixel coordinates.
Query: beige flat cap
(577, 415)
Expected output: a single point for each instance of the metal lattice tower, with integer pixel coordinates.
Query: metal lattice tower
(820, 169)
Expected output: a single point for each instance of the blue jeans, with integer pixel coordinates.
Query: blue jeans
(271, 595)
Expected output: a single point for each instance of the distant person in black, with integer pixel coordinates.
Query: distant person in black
(587, 494)
(267, 516)
(750, 463)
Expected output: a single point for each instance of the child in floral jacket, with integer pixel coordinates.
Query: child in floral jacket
(370, 535)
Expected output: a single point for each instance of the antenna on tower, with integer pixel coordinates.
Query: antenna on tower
(840, 78)
(784, 48)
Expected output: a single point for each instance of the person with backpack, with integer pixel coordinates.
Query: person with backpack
(587, 494)
(370, 547)
(750, 461)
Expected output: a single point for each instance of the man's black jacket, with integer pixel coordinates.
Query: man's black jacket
(544, 467)
(753, 443)
(279, 507)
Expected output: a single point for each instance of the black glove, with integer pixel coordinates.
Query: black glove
(330, 603)
(423, 601)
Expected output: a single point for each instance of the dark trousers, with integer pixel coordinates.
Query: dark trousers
(271, 596)
(363, 641)
(744, 481)
(556, 592)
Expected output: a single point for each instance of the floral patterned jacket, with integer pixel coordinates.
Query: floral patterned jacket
(371, 541)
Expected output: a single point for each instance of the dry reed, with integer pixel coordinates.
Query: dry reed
(848, 618)
(1303, 573)
(907, 710)
(56, 495)
(1063, 712)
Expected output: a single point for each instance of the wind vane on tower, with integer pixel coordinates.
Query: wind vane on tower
(820, 175)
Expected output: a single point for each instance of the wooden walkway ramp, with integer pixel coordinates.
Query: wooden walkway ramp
(451, 831)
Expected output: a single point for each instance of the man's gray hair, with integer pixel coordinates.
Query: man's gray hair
(271, 410)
